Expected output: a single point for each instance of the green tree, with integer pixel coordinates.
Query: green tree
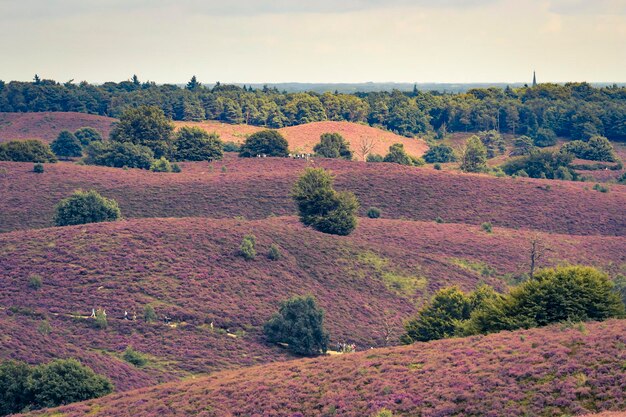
(65, 381)
(85, 207)
(333, 145)
(193, 84)
(545, 137)
(195, 144)
(439, 318)
(398, 155)
(146, 126)
(14, 394)
(66, 145)
(494, 143)
(474, 157)
(573, 293)
(86, 135)
(440, 153)
(119, 155)
(149, 315)
(544, 164)
(265, 142)
(300, 324)
(524, 145)
(30, 150)
(323, 208)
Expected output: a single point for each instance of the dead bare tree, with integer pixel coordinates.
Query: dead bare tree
(365, 147)
(537, 251)
(389, 325)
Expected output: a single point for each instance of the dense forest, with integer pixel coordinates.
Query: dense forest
(573, 110)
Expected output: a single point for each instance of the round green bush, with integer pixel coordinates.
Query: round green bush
(85, 207)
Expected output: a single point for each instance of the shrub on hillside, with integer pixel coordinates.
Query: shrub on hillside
(161, 165)
(545, 137)
(544, 164)
(598, 148)
(145, 126)
(333, 145)
(373, 213)
(86, 135)
(63, 381)
(374, 158)
(119, 155)
(323, 208)
(195, 144)
(30, 150)
(38, 168)
(247, 249)
(398, 155)
(440, 153)
(85, 207)
(149, 315)
(474, 156)
(494, 143)
(573, 293)
(265, 142)
(300, 324)
(35, 282)
(231, 146)
(133, 357)
(274, 252)
(487, 227)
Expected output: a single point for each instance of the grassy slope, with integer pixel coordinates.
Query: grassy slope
(47, 125)
(189, 270)
(539, 372)
(256, 188)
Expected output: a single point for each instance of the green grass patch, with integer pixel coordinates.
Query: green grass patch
(475, 266)
(404, 283)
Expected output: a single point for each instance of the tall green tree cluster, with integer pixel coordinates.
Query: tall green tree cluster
(573, 110)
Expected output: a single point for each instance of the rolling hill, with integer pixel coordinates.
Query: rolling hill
(303, 138)
(46, 126)
(189, 270)
(259, 187)
(540, 372)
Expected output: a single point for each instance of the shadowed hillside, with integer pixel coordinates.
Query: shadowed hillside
(259, 187)
(539, 372)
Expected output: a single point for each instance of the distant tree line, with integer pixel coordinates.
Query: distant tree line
(573, 110)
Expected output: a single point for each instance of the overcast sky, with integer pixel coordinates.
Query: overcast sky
(314, 40)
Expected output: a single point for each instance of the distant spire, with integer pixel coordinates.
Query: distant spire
(534, 79)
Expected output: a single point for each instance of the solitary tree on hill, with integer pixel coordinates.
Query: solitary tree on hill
(323, 208)
(300, 324)
(333, 145)
(85, 207)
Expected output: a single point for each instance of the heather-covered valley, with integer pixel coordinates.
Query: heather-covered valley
(206, 210)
